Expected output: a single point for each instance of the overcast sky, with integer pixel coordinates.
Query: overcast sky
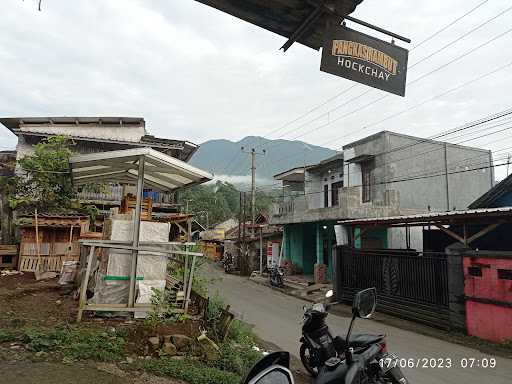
(195, 73)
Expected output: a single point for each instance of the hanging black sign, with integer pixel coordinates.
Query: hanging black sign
(365, 59)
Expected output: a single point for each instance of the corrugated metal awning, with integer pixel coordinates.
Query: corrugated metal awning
(434, 217)
(161, 172)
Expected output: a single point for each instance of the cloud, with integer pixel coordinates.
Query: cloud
(197, 74)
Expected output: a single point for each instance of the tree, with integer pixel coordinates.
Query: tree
(46, 183)
(222, 201)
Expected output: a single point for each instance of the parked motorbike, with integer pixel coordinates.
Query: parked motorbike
(229, 263)
(276, 277)
(325, 356)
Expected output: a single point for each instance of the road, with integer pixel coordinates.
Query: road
(276, 317)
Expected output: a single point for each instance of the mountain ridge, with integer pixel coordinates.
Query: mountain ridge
(225, 157)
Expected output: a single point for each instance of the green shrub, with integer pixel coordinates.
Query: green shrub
(6, 336)
(215, 307)
(237, 358)
(189, 370)
(240, 332)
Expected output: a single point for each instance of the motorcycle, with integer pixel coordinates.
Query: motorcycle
(276, 277)
(319, 349)
(368, 365)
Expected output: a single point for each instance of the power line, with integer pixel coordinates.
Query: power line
(428, 38)
(330, 141)
(415, 106)
(482, 121)
(410, 67)
(449, 25)
(462, 37)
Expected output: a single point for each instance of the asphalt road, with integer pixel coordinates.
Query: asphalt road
(276, 318)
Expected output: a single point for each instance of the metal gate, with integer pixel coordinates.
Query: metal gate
(410, 284)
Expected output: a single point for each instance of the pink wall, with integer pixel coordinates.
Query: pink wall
(489, 321)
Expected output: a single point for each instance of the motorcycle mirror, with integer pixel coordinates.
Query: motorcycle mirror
(329, 293)
(275, 374)
(364, 303)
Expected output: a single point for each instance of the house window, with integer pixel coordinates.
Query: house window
(366, 171)
(335, 193)
(475, 271)
(505, 274)
(326, 196)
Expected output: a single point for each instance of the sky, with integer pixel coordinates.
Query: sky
(196, 73)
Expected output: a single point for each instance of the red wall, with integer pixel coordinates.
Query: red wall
(490, 321)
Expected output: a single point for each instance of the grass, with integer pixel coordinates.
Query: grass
(189, 370)
(74, 343)
(237, 356)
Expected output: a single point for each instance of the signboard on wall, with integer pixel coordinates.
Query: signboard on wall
(359, 57)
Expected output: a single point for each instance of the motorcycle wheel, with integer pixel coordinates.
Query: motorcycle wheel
(305, 357)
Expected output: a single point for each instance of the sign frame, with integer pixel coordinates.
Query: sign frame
(365, 59)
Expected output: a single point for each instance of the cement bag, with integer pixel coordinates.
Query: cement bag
(145, 292)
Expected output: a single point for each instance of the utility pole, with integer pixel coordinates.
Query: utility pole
(243, 261)
(253, 154)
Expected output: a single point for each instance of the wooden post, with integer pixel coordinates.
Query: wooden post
(189, 285)
(185, 275)
(38, 249)
(189, 230)
(136, 231)
(85, 282)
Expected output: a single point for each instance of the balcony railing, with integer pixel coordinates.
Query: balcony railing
(310, 207)
(114, 194)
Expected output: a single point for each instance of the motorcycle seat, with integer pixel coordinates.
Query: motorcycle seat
(364, 340)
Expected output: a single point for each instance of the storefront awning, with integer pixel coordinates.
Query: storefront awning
(298, 20)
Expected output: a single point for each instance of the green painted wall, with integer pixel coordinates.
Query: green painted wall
(378, 233)
(304, 245)
(309, 247)
(300, 246)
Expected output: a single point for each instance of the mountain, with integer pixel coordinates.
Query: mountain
(225, 158)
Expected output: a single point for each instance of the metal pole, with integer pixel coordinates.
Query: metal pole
(136, 231)
(242, 256)
(240, 224)
(253, 190)
(446, 177)
(261, 251)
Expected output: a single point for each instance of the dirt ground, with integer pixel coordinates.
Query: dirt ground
(25, 302)
(52, 373)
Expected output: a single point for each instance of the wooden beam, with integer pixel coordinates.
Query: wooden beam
(85, 282)
(450, 233)
(484, 231)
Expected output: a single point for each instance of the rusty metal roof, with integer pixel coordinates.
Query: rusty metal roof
(284, 17)
(434, 217)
